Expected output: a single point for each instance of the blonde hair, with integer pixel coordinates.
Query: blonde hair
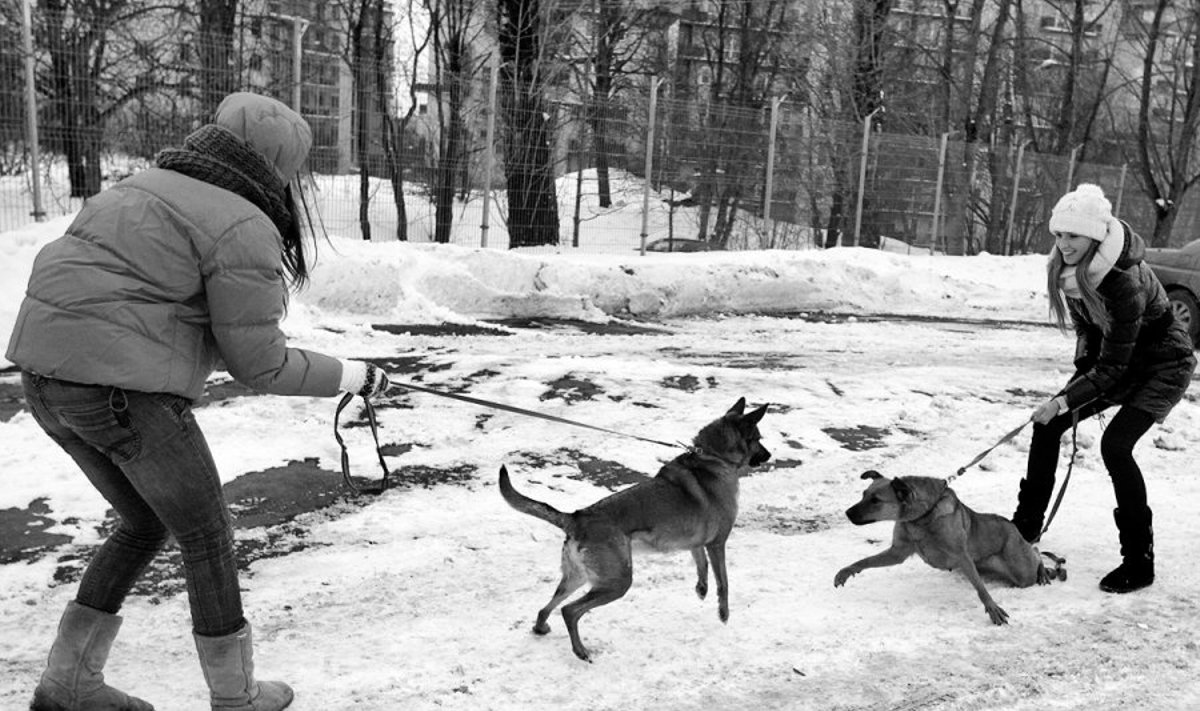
(1092, 301)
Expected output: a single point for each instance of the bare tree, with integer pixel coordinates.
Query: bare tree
(455, 31)
(218, 76)
(103, 54)
(741, 44)
(867, 96)
(416, 38)
(617, 41)
(1169, 111)
(528, 156)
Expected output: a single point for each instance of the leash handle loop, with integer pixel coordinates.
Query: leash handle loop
(346, 400)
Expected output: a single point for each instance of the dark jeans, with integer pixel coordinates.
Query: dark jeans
(1116, 449)
(146, 456)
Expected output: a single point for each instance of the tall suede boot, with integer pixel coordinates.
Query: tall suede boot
(1137, 552)
(74, 676)
(228, 664)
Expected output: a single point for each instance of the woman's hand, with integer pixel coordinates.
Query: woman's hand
(1049, 410)
(365, 379)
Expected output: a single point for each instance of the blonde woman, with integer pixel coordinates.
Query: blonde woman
(1130, 352)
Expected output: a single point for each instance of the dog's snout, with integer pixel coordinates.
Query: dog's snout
(856, 515)
(760, 455)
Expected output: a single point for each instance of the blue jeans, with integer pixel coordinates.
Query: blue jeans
(146, 456)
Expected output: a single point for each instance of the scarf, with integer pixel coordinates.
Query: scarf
(1103, 261)
(218, 157)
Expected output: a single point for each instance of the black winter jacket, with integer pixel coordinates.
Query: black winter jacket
(1143, 357)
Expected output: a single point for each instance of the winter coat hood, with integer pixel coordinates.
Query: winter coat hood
(280, 134)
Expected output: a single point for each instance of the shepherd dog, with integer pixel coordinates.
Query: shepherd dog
(691, 504)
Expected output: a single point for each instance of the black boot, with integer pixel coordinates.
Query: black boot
(1032, 500)
(1137, 551)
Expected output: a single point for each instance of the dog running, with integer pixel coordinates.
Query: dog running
(947, 534)
(691, 504)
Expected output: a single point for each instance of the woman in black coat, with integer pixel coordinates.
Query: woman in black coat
(1130, 352)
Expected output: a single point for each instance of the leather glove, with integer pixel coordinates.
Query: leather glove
(365, 379)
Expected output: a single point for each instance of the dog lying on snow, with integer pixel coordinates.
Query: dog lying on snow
(690, 505)
(934, 524)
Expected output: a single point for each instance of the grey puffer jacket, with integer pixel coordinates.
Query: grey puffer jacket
(162, 277)
(1143, 357)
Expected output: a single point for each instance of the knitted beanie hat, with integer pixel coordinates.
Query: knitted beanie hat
(281, 135)
(1084, 211)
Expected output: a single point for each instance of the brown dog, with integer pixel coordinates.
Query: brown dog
(690, 505)
(934, 524)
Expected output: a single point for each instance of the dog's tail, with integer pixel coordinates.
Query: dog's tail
(526, 505)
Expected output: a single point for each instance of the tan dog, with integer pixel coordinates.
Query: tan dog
(934, 524)
(690, 505)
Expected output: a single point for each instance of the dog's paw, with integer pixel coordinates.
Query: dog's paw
(541, 628)
(702, 589)
(842, 576)
(723, 613)
(997, 614)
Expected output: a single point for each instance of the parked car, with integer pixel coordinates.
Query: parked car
(1179, 272)
(680, 244)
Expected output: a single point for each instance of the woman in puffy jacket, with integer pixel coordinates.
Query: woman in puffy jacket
(157, 281)
(1130, 351)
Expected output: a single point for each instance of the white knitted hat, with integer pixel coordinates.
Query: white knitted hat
(1084, 211)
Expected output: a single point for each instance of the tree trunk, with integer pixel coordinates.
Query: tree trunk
(390, 134)
(216, 33)
(529, 170)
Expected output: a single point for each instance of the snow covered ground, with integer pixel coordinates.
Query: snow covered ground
(423, 597)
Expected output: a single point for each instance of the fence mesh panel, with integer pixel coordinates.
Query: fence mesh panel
(559, 172)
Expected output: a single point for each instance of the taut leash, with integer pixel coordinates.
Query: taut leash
(979, 457)
(528, 413)
(370, 408)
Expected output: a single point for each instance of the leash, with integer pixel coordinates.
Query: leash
(1066, 477)
(529, 413)
(371, 419)
(346, 400)
(979, 457)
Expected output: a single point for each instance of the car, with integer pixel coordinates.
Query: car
(680, 244)
(1179, 271)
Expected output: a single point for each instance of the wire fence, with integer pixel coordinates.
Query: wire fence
(489, 161)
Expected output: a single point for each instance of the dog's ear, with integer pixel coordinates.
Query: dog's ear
(738, 407)
(756, 415)
(902, 489)
(870, 474)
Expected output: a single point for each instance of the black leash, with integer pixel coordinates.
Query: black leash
(1066, 477)
(370, 408)
(979, 457)
(529, 413)
(346, 400)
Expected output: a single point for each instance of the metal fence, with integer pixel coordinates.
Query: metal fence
(478, 163)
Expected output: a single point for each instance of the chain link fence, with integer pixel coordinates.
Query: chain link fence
(489, 161)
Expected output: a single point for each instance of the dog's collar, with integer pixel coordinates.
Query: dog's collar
(933, 507)
(702, 455)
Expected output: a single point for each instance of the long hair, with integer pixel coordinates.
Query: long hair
(296, 262)
(1092, 301)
